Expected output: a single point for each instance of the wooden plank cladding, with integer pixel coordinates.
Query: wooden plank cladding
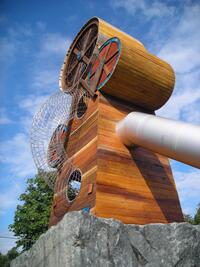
(140, 77)
(84, 133)
(133, 184)
(81, 148)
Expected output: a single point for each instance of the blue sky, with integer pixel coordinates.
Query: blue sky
(34, 38)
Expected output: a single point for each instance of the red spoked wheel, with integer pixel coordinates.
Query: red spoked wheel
(105, 63)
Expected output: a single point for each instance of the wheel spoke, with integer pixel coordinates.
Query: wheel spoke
(86, 40)
(81, 43)
(73, 67)
(107, 51)
(101, 67)
(90, 44)
(80, 57)
(86, 86)
(76, 74)
(83, 57)
(85, 60)
(76, 51)
(106, 70)
(97, 74)
(111, 57)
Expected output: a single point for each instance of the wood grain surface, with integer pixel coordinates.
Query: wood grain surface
(140, 77)
(133, 184)
(81, 149)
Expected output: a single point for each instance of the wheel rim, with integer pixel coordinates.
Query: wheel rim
(79, 57)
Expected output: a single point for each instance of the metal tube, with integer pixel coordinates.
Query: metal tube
(174, 139)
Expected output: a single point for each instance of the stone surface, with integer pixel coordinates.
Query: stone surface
(83, 240)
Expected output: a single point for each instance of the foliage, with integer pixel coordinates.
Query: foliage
(32, 217)
(188, 218)
(6, 259)
(193, 220)
(197, 215)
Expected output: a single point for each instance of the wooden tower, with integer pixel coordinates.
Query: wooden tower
(119, 76)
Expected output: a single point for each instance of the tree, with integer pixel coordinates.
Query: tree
(193, 220)
(188, 218)
(32, 217)
(197, 215)
(6, 259)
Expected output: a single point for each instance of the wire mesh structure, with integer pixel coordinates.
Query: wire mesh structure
(51, 125)
(50, 131)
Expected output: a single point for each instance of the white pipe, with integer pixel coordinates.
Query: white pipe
(174, 139)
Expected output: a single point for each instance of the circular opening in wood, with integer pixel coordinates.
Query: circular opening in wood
(81, 107)
(74, 185)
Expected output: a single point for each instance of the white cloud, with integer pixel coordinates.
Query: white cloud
(41, 25)
(32, 103)
(48, 61)
(182, 99)
(3, 18)
(188, 183)
(43, 75)
(188, 80)
(148, 8)
(182, 50)
(9, 198)
(181, 55)
(16, 152)
(8, 50)
(3, 117)
(55, 43)
(19, 31)
(17, 155)
(46, 79)
(178, 41)
(191, 113)
(4, 120)
(12, 44)
(6, 243)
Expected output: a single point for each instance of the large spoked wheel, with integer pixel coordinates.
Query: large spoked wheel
(79, 57)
